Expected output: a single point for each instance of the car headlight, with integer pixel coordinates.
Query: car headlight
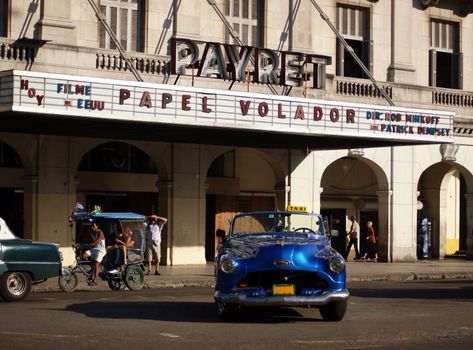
(337, 264)
(227, 265)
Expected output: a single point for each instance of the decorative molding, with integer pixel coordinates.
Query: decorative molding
(462, 131)
(360, 88)
(56, 22)
(114, 62)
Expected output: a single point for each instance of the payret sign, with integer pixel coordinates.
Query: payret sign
(72, 96)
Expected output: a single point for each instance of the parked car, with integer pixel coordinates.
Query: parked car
(25, 262)
(281, 259)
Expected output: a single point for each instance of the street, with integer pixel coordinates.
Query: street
(381, 315)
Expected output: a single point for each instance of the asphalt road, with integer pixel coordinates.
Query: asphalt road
(381, 315)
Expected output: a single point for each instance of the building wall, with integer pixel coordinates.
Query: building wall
(52, 184)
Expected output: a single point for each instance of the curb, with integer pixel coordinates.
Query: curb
(412, 277)
(52, 285)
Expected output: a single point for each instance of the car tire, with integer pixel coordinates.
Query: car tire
(333, 311)
(134, 278)
(226, 311)
(68, 282)
(15, 286)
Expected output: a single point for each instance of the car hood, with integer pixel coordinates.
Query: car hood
(295, 249)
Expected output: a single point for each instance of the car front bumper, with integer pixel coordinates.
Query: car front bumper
(282, 300)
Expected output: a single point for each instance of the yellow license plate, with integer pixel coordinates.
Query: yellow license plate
(284, 289)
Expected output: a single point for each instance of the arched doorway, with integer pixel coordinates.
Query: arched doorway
(118, 177)
(11, 188)
(441, 217)
(351, 186)
(238, 180)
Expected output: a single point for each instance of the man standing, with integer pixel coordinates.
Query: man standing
(353, 234)
(153, 240)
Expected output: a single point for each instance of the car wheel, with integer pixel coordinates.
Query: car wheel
(333, 311)
(15, 286)
(227, 311)
(134, 278)
(116, 285)
(68, 281)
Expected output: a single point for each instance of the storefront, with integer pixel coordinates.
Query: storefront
(199, 155)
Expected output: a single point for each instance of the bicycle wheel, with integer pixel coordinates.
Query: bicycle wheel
(68, 281)
(116, 285)
(134, 278)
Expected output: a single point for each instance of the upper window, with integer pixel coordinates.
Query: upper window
(3, 17)
(125, 17)
(353, 25)
(246, 17)
(445, 58)
(117, 157)
(223, 166)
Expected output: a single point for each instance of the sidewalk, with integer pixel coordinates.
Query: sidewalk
(203, 275)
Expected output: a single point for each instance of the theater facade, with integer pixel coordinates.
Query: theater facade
(197, 111)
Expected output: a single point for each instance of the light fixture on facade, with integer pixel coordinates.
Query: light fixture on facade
(356, 152)
(449, 151)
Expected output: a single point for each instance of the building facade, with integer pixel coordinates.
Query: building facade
(154, 117)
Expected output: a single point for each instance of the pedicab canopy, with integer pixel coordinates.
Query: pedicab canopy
(111, 223)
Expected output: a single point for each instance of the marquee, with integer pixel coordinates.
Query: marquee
(95, 98)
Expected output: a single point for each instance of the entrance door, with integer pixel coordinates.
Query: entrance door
(221, 210)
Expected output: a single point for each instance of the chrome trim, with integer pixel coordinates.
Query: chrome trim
(3, 262)
(283, 300)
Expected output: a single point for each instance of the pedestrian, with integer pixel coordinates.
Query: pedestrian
(371, 240)
(353, 235)
(154, 227)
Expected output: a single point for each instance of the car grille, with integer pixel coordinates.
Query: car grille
(265, 280)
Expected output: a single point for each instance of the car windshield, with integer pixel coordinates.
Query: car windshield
(258, 223)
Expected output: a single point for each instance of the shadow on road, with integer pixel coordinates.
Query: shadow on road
(201, 312)
(433, 290)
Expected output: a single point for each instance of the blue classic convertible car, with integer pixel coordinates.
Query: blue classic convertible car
(279, 259)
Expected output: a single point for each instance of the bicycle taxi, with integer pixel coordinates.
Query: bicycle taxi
(129, 271)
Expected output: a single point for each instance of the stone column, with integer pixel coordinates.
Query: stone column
(469, 233)
(165, 189)
(281, 193)
(188, 206)
(30, 207)
(384, 225)
(401, 69)
(55, 23)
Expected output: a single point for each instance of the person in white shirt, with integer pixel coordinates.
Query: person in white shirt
(98, 250)
(353, 235)
(154, 228)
